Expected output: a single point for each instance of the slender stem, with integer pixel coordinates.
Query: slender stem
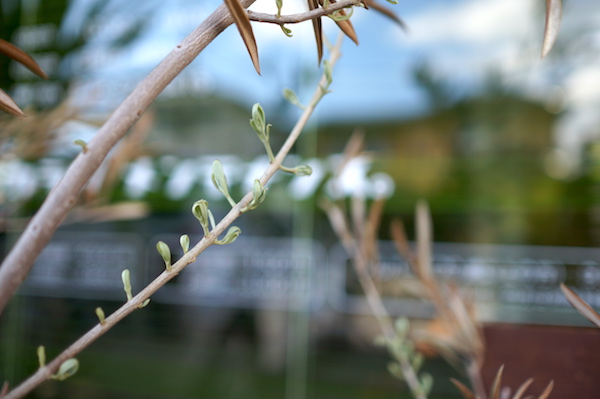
(60, 200)
(378, 308)
(361, 263)
(473, 368)
(19, 261)
(44, 373)
(301, 17)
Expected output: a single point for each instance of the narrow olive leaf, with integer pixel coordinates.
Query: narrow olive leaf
(67, 369)
(553, 17)
(402, 325)
(82, 144)
(220, 181)
(387, 12)
(547, 391)
(522, 389)
(211, 219)
(341, 15)
(259, 192)
(242, 21)
(426, 383)
(417, 361)
(318, 29)
(495, 391)
(201, 212)
(465, 392)
(125, 277)
(184, 241)
(302, 170)
(259, 123)
(218, 178)
(12, 51)
(286, 31)
(258, 116)
(101, 316)
(292, 98)
(165, 252)
(581, 306)
(8, 105)
(144, 304)
(41, 354)
(395, 370)
(232, 234)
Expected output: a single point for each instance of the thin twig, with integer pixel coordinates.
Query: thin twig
(301, 17)
(46, 372)
(19, 261)
(363, 254)
(61, 199)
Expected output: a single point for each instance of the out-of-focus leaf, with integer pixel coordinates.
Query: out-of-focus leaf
(495, 391)
(553, 17)
(581, 306)
(318, 29)
(401, 242)
(424, 241)
(12, 51)
(465, 392)
(8, 105)
(240, 16)
(4, 390)
(385, 11)
(547, 391)
(522, 389)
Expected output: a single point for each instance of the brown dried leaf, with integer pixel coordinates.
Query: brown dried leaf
(466, 392)
(8, 105)
(358, 210)
(338, 223)
(12, 51)
(522, 389)
(318, 29)
(353, 149)
(373, 223)
(400, 241)
(4, 390)
(242, 21)
(347, 28)
(424, 241)
(369, 242)
(547, 391)
(385, 11)
(553, 17)
(495, 391)
(465, 323)
(581, 306)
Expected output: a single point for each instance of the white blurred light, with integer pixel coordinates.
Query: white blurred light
(139, 178)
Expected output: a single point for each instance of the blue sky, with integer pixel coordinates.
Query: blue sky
(462, 41)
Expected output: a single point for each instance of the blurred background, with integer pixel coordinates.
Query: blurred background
(458, 110)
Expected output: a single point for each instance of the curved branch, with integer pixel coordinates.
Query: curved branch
(134, 303)
(301, 17)
(36, 236)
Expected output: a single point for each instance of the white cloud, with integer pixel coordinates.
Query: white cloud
(477, 22)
